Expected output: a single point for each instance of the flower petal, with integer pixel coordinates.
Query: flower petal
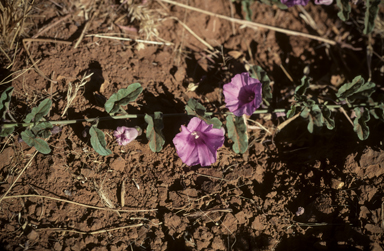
(186, 147)
(194, 124)
(243, 94)
(206, 156)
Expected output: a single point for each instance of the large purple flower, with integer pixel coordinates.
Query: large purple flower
(125, 135)
(198, 143)
(243, 94)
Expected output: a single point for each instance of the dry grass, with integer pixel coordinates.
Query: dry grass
(140, 15)
(13, 25)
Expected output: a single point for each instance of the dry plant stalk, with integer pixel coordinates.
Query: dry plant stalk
(122, 195)
(76, 203)
(71, 96)
(103, 196)
(91, 232)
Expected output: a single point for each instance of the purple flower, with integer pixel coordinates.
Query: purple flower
(291, 3)
(198, 143)
(300, 211)
(125, 135)
(243, 94)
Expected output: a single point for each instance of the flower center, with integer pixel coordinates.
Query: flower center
(195, 134)
(251, 97)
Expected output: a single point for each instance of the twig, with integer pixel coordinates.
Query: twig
(252, 24)
(17, 178)
(14, 56)
(213, 177)
(48, 40)
(260, 125)
(92, 232)
(129, 39)
(193, 33)
(85, 29)
(50, 26)
(80, 204)
(33, 62)
(285, 123)
(205, 213)
(23, 71)
(346, 115)
(1, 49)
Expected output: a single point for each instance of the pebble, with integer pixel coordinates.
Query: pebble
(336, 184)
(33, 235)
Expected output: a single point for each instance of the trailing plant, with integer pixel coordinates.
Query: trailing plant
(198, 142)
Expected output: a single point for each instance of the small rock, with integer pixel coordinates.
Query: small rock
(258, 224)
(33, 235)
(241, 217)
(38, 211)
(57, 246)
(336, 184)
(374, 229)
(230, 223)
(118, 164)
(218, 243)
(6, 157)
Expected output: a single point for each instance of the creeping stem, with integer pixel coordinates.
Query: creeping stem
(133, 116)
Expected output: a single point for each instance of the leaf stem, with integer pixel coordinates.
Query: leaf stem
(134, 116)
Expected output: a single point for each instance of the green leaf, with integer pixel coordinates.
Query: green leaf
(356, 89)
(360, 123)
(4, 132)
(380, 112)
(39, 112)
(214, 121)
(258, 73)
(154, 131)
(237, 131)
(31, 140)
(98, 141)
(5, 99)
(302, 88)
(291, 111)
(318, 119)
(345, 9)
(42, 130)
(305, 112)
(123, 97)
(194, 108)
(370, 15)
(247, 10)
(329, 122)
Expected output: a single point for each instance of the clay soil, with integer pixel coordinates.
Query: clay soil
(248, 201)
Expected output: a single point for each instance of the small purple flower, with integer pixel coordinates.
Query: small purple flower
(198, 143)
(243, 94)
(300, 211)
(291, 3)
(125, 135)
(56, 130)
